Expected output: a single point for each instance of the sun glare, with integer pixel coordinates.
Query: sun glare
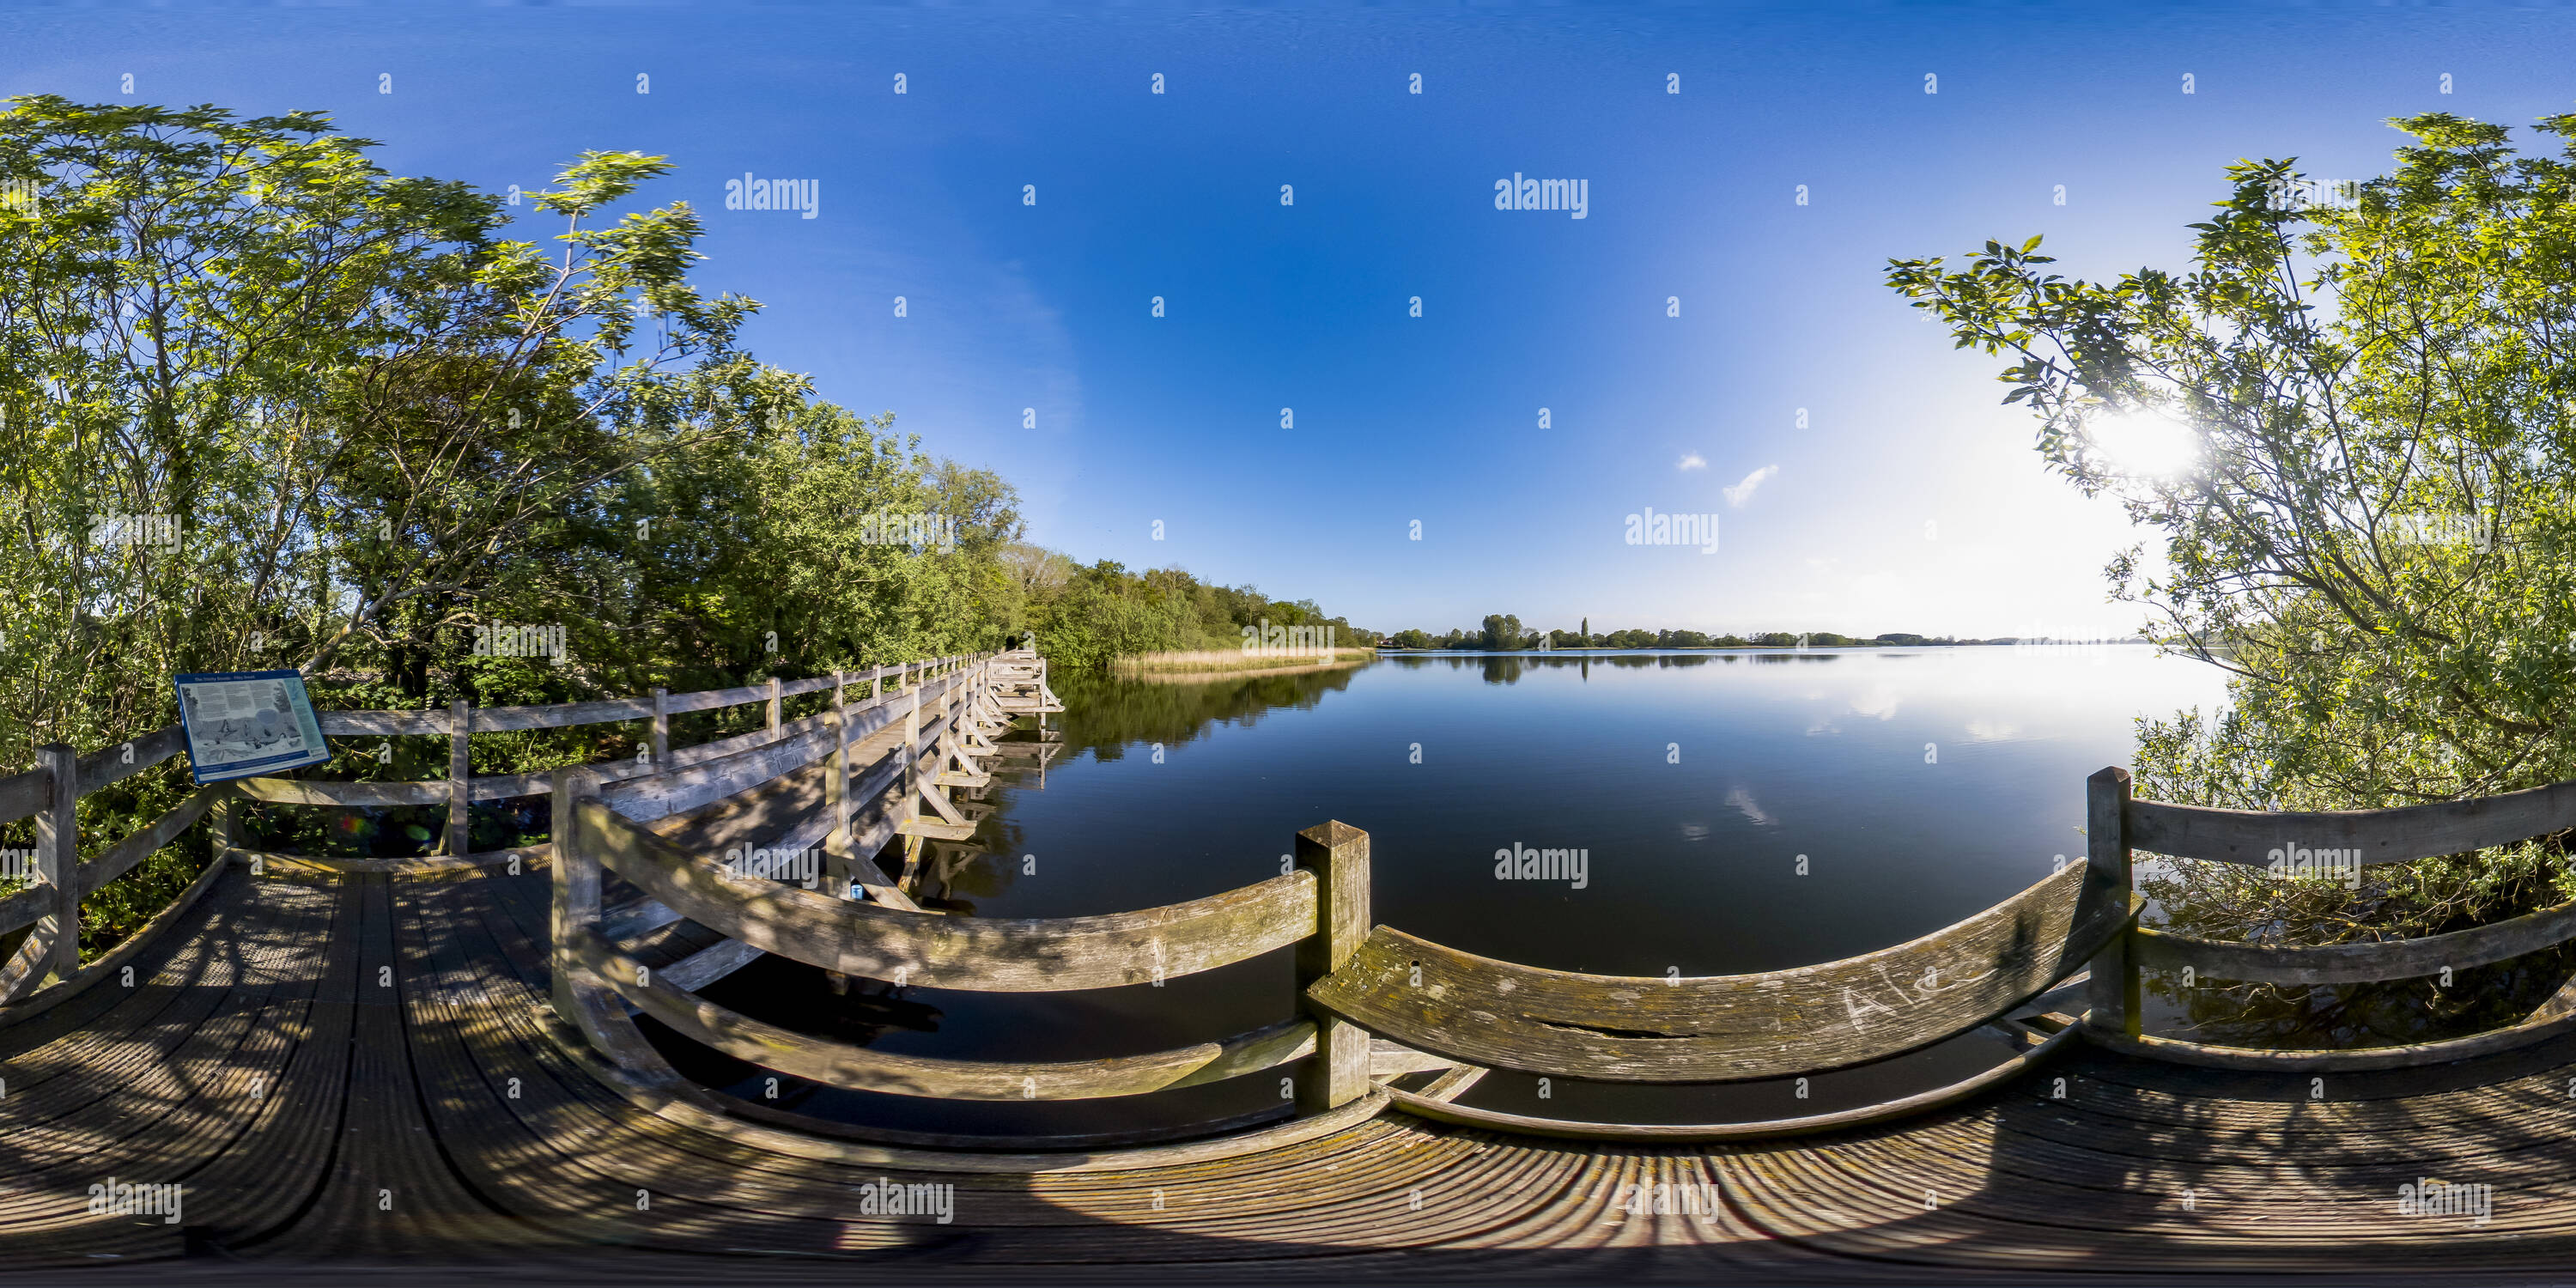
(2145, 444)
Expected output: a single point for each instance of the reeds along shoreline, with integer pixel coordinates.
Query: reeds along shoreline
(1220, 662)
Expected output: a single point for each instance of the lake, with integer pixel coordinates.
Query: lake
(1739, 810)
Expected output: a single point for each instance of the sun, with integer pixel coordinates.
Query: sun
(2144, 444)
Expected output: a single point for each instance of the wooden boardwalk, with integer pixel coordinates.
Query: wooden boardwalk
(329, 1068)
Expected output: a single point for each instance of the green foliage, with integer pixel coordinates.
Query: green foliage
(1087, 616)
(2373, 525)
(374, 422)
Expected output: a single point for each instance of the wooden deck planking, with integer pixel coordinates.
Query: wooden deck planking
(402, 1087)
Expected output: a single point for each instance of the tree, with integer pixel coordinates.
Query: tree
(327, 397)
(1502, 631)
(2350, 420)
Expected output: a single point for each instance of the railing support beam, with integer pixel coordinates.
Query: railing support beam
(1338, 854)
(2113, 992)
(576, 887)
(58, 863)
(460, 774)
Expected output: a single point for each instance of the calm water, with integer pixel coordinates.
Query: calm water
(1914, 786)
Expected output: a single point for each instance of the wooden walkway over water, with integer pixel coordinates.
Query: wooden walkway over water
(367, 1067)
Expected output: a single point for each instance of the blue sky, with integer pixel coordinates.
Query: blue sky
(1909, 501)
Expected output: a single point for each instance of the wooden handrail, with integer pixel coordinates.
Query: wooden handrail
(51, 792)
(2118, 824)
(22, 794)
(983, 954)
(2358, 963)
(858, 1068)
(2378, 835)
(1725, 1028)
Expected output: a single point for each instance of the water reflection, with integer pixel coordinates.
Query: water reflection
(1508, 668)
(1108, 715)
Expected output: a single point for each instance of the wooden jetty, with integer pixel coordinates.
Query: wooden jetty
(436, 1065)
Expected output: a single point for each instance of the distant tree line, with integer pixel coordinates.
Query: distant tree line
(1503, 632)
(1087, 614)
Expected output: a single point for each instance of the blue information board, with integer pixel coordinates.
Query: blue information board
(244, 723)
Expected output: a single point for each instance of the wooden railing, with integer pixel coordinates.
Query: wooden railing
(1319, 906)
(1977, 973)
(49, 908)
(1481, 1013)
(2118, 825)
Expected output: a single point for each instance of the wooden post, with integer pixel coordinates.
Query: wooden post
(460, 774)
(576, 879)
(1338, 854)
(2113, 991)
(219, 822)
(910, 751)
(773, 706)
(661, 729)
(836, 795)
(58, 862)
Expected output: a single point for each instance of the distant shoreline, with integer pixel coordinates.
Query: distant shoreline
(1761, 648)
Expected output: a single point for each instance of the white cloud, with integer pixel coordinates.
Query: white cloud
(1744, 803)
(1692, 461)
(1743, 492)
(1880, 701)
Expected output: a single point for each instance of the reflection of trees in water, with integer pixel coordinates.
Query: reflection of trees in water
(1109, 714)
(1507, 668)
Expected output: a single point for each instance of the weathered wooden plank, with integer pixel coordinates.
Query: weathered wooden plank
(298, 791)
(2362, 962)
(2352, 1060)
(25, 907)
(2381, 835)
(1338, 856)
(1725, 1028)
(144, 937)
(460, 774)
(2113, 1001)
(710, 699)
(486, 863)
(935, 829)
(22, 794)
(635, 917)
(708, 965)
(684, 789)
(494, 787)
(1454, 1082)
(678, 792)
(163, 830)
(795, 688)
(1425, 1106)
(126, 759)
(838, 1064)
(562, 714)
(990, 954)
(1393, 1059)
(742, 742)
(384, 723)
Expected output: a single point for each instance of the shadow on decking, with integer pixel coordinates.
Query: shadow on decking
(363, 1097)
